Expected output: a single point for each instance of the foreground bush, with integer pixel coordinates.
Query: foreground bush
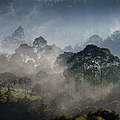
(94, 115)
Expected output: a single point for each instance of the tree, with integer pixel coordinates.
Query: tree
(39, 42)
(25, 83)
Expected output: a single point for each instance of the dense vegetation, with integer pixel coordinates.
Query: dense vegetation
(94, 115)
(94, 64)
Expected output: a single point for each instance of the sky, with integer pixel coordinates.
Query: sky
(61, 22)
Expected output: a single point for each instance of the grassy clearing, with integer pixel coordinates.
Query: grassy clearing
(16, 94)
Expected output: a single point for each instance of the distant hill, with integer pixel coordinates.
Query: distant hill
(112, 42)
(13, 41)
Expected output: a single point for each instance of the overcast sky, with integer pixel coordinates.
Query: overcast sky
(62, 22)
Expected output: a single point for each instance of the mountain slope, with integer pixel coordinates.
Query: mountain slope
(112, 42)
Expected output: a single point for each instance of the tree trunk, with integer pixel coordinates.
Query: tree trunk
(8, 94)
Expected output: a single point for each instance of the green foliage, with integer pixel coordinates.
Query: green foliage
(82, 117)
(16, 94)
(99, 118)
(94, 115)
(103, 115)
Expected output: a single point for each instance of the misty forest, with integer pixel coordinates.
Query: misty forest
(59, 60)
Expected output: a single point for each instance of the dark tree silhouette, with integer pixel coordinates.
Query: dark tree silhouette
(25, 83)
